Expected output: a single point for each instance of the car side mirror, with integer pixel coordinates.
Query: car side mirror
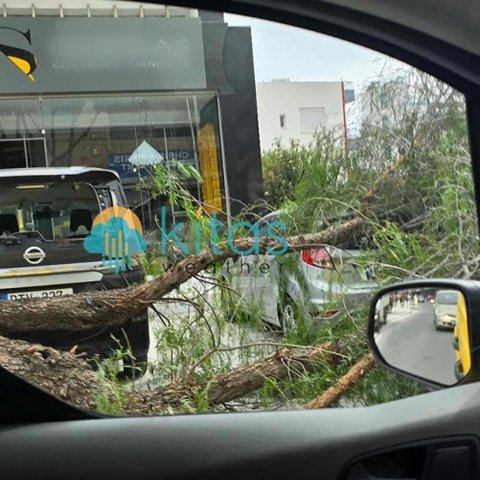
(427, 330)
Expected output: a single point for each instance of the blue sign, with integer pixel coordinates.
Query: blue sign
(119, 162)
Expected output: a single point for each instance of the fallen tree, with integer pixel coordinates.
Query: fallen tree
(71, 378)
(114, 307)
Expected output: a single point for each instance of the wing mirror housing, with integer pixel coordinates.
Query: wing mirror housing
(428, 330)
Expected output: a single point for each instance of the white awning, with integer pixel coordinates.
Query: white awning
(91, 8)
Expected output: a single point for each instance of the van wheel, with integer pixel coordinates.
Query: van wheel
(458, 368)
(288, 314)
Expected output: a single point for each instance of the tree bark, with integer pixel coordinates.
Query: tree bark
(336, 391)
(59, 373)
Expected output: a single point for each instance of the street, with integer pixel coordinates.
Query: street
(410, 342)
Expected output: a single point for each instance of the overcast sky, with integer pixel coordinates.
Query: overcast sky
(281, 51)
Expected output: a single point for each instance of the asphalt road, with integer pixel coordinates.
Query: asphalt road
(410, 342)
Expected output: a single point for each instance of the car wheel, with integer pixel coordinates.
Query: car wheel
(288, 315)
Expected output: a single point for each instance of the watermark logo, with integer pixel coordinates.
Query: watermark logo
(22, 58)
(117, 235)
(270, 231)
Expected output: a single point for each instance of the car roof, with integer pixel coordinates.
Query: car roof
(455, 22)
(452, 21)
(51, 171)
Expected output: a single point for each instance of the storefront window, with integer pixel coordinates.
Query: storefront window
(104, 131)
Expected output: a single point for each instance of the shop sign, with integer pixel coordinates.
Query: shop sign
(80, 54)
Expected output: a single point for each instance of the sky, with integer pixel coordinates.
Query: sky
(282, 51)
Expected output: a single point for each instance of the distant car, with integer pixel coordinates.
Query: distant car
(421, 298)
(333, 282)
(445, 309)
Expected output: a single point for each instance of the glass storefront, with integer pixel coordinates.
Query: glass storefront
(104, 130)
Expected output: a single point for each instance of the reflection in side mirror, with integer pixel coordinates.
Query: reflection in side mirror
(424, 332)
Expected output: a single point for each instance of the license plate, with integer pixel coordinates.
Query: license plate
(57, 292)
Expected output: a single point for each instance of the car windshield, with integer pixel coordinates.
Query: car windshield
(447, 298)
(53, 210)
(197, 209)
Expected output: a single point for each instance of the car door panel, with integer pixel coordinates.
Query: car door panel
(293, 444)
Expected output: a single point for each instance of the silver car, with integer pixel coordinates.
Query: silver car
(332, 282)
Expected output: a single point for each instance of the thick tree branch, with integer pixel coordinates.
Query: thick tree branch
(72, 379)
(237, 382)
(336, 391)
(115, 307)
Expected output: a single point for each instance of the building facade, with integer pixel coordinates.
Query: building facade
(385, 103)
(88, 83)
(296, 110)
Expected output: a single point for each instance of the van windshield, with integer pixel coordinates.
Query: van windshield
(447, 298)
(56, 211)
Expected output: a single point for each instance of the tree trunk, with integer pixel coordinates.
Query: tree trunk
(241, 381)
(59, 373)
(72, 379)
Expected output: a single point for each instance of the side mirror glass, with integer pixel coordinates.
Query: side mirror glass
(423, 332)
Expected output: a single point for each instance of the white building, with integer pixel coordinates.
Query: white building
(385, 103)
(295, 110)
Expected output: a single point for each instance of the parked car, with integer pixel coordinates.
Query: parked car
(445, 310)
(333, 282)
(45, 215)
